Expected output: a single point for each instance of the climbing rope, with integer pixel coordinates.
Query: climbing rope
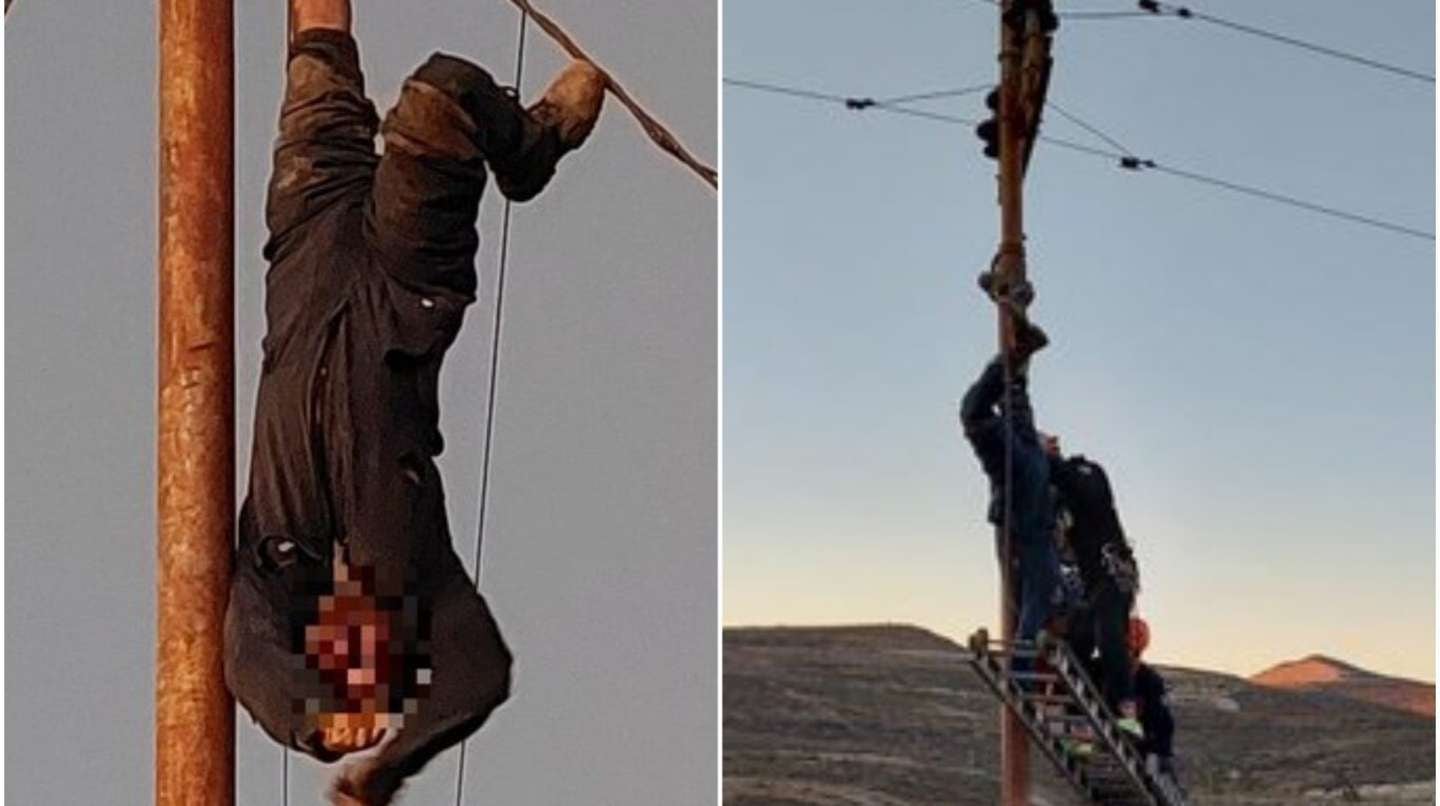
(494, 376)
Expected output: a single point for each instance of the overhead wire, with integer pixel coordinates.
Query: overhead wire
(1087, 127)
(1121, 156)
(1083, 15)
(494, 376)
(1155, 9)
(927, 96)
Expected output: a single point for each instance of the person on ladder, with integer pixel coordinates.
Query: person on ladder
(1108, 573)
(1158, 746)
(352, 624)
(998, 421)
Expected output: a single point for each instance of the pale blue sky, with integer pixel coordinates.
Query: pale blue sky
(1259, 380)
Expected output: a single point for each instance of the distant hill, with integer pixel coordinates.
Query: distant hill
(887, 715)
(1321, 673)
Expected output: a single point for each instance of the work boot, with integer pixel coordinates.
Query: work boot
(1078, 748)
(1029, 340)
(1018, 294)
(551, 128)
(1131, 725)
(1128, 721)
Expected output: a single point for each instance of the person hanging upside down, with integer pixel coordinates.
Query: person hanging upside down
(1108, 573)
(352, 623)
(992, 429)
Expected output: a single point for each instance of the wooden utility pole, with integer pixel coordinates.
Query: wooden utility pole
(1014, 752)
(1025, 27)
(194, 715)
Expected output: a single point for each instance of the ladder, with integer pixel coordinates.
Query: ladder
(1051, 698)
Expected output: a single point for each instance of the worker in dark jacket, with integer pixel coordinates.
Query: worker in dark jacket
(1153, 704)
(997, 420)
(1108, 572)
(352, 622)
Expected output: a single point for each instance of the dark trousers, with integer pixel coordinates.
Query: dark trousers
(1159, 725)
(1103, 625)
(983, 415)
(1155, 715)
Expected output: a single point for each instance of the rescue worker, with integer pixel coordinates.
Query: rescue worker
(997, 420)
(352, 622)
(1153, 704)
(1108, 572)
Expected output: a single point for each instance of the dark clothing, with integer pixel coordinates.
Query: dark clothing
(371, 269)
(1155, 716)
(1032, 514)
(1102, 624)
(1095, 535)
(1107, 568)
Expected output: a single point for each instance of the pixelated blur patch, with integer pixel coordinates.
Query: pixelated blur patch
(366, 653)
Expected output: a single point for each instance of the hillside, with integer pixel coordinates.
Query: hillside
(1321, 673)
(884, 715)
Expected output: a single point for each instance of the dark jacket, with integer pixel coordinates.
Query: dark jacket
(989, 431)
(371, 269)
(1083, 490)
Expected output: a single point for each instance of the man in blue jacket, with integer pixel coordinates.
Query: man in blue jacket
(997, 418)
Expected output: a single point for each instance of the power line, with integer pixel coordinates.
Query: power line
(1084, 15)
(1087, 127)
(1155, 8)
(792, 91)
(1102, 15)
(926, 96)
(1183, 12)
(855, 102)
(1122, 157)
(1261, 193)
(494, 377)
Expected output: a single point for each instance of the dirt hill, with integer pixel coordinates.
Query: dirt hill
(1320, 673)
(886, 715)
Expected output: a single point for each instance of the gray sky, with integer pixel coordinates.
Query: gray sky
(1258, 380)
(600, 552)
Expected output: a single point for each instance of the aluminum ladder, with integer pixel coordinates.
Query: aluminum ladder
(1052, 697)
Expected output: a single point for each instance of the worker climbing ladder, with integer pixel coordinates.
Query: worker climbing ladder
(1056, 702)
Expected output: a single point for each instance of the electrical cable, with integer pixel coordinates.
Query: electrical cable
(494, 376)
(1123, 158)
(1183, 12)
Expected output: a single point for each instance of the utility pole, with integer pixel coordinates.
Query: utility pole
(1025, 27)
(194, 714)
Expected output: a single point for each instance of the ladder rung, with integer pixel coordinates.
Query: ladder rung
(1071, 718)
(1048, 699)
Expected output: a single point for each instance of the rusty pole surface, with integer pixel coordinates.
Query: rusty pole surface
(1014, 752)
(194, 715)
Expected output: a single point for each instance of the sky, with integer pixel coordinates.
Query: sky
(600, 550)
(1258, 380)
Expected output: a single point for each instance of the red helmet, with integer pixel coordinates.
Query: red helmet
(1139, 636)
